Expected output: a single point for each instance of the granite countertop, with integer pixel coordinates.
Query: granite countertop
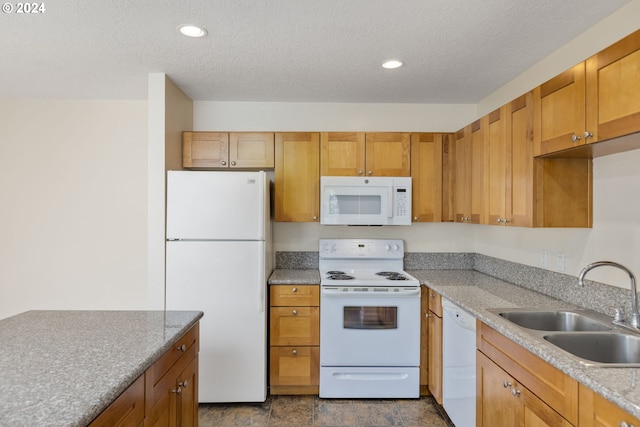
(477, 292)
(63, 368)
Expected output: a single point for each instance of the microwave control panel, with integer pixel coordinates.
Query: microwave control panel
(402, 202)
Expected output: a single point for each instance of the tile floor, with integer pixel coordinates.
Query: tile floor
(299, 411)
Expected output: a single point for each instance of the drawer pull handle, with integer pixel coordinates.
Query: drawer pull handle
(183, 384)
(182, 348)
(506, 384)
(294, 312)
(177, 391)
(294, 290)
(294, 352)
(515, 392)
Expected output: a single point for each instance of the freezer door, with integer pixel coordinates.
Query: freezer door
(217, 205)
(225, 280)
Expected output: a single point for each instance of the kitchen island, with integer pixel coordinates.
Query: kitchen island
(63, 368)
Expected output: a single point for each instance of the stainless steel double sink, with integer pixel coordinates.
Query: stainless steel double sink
(584, 335)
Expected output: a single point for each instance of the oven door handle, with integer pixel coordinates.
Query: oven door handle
(337, 292)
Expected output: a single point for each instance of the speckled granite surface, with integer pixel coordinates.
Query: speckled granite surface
(477, 282)
(477, 292)
(63, 368)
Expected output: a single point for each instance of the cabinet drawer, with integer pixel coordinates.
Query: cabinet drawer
(186, 343)
(294, 295)
(295, 326)
(127, 410)
(435, 303)
(294, 366)
(596, 411)
(550, 384)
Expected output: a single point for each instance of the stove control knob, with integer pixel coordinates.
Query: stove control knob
(395, 248)
(387, 248)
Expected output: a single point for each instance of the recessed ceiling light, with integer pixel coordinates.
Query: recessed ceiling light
(192, 31)
(392, 64)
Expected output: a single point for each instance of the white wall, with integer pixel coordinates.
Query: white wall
(616, 179)
(73, 213)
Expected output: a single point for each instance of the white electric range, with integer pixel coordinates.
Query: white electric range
(369, 320)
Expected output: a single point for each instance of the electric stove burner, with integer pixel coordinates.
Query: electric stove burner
(398, 277)
(335, 272)
(340, 277)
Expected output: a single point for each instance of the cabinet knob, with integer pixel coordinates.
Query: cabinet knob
(415, 218)
(182, 348)
(370, 173)
(224, 163)
(294, 352)
(360, 172)
(177, 391)
(499, 221)
(575, 137)
(506, 221)
(506, 384)
(183, 384)
(515, 392)
(587, 135)
(233, 163)
(315, 218)
(294, 312)
(294, 290)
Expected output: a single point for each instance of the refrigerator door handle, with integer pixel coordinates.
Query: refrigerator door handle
(261, 284)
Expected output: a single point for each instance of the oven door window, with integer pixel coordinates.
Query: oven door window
(370, 317)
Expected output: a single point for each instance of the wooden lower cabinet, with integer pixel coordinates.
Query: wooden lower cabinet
(294, 339)
(596, 411)
(435, 345)
(127, 410)
(166, 395)
(504, 402)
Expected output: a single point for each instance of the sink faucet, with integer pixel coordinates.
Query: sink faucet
(635, 316)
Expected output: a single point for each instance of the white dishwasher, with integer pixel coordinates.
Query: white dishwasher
(459, 364)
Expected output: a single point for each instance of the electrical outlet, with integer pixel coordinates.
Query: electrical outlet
(560, 262)
(544, 258)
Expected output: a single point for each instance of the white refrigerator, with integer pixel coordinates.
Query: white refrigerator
(218, 259)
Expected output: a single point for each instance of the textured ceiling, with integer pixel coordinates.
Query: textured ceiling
(455, 51)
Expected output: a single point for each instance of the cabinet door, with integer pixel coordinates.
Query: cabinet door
(388, 154)
(342, 153)
(448, 177)
(520, 173)
(187, 406)
(295, 326)
(613, 90)
(426, 173)
(294, 295)
(205, 149)
(499, 167)
(495, 406)
(297, 178)
(424, 341)
(251, 150)
(560, 111)
(462, 173)
(479, 171)
(596, 411)
(503, 402)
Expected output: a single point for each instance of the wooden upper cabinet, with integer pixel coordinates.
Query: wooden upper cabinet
(613, 90)
(560, 111)
(388, 154)
(462, 175)
(342, 153)
(297, 177)
(223, 150)
(479, 171)
(365, 154)
(520, 163)
(205, 149)
(499, 166)
(426, 173)
(448, 176)
(251, 150)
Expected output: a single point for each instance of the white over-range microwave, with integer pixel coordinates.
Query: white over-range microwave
(351, 200)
